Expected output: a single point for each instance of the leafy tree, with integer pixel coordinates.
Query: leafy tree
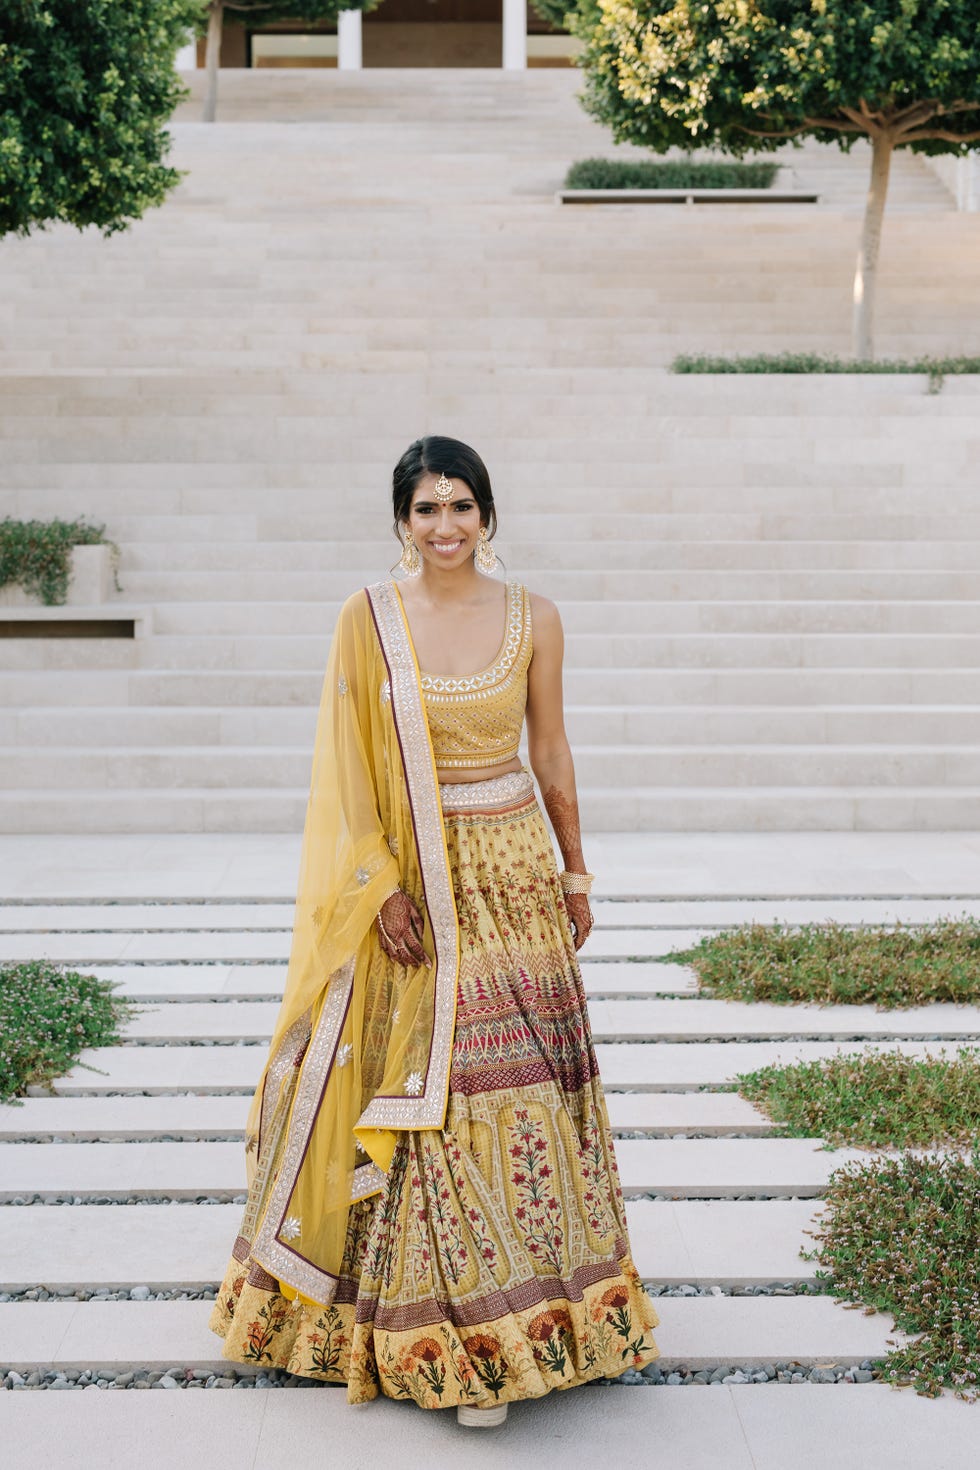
(740, 75)
(265, 12)
(85, 88)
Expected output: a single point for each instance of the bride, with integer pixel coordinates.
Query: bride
(434, 1211)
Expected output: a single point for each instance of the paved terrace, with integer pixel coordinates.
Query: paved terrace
(196, 929)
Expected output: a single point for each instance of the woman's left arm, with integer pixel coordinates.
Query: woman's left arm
(550, 753)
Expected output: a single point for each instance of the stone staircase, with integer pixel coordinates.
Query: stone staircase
(769, 585)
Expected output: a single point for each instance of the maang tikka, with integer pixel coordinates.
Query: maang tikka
(444, 489)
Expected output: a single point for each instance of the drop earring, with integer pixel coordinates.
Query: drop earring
(485, 556)
(411, 562)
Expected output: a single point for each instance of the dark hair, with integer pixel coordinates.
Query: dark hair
(438, 455)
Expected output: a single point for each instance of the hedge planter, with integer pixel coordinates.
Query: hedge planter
(91, 578)
(685, 196)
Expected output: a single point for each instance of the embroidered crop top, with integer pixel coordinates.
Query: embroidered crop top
(477, 720)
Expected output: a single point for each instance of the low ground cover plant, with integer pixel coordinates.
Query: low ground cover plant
(936, 369)
(37, 554)
(903, 1236)
(873, 1099)
(641, 173)
(829, 964)
(48, 1015)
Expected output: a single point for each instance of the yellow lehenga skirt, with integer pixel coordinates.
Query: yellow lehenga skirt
(495, 1263)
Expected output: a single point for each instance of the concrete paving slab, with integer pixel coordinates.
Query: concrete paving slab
(126, 1429)
(118, 1170)
(85, 948)
(667, 1066)
(111, 917)
(676, 1112)
(703, 1019)
(160, 1246)
(672, 1065)
(266, 981)
(612, 1020)
(887, 1429)
(85, 1119)
(703, 1167)
(693, 1330)
(264, 865)
(751, 1427)
(165, 1246)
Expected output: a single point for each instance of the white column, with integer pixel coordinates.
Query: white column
(515, 35)
(349, 40)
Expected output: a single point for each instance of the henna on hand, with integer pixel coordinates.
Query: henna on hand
(580, 917)
(400, 928)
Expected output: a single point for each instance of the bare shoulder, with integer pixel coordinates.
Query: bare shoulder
(545, 618)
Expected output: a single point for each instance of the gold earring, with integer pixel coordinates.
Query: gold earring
(485, 556)
(411, 562)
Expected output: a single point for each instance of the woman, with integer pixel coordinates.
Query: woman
(434, 1210)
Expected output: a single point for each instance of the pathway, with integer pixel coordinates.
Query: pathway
(716, 1206)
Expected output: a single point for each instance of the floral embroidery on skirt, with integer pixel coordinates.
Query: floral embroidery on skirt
(494, 1265)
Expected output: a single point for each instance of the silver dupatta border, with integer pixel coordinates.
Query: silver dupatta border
(280, 1259)
(428, 1108)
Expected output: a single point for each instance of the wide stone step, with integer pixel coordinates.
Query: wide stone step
(706, 688)
(625, 1066)
(878, 725)
(700, 1167)
(704, 1242)
(615, 767)
(266, 982)
(743, 1428)
(84, 1119)
(716, 808)
(612, 1020)
(560, 582)
(224, 946)
(695, 1330)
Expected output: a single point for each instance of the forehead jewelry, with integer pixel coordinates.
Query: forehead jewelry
(444, 490)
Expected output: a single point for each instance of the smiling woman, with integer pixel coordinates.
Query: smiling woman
(434, 1210)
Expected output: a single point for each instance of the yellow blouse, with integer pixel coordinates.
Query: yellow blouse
(477, 720)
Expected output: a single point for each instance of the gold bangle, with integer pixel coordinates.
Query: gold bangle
(577, 882)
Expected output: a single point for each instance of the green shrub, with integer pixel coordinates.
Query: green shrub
(827, 964)
(903, 1237)
(47, 1016)
(641, 173)
(872, 1099)
(37, 554)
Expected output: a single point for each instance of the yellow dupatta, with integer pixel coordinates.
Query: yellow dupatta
(362, 1046)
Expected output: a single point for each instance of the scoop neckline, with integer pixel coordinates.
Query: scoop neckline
(454, 678)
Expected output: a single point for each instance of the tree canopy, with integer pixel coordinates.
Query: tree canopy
(85, 88)
(746, 75)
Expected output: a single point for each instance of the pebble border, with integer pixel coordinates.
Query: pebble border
(651, 1377)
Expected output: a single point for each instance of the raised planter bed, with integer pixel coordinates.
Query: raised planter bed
(91, 578)
(686, 196)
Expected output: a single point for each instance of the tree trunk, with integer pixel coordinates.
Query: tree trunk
(865, 277)
(212, 58)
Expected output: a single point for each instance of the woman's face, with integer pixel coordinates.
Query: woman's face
(446, 535)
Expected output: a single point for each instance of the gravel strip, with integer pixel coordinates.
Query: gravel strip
(187, 1378)
(132, 1199)
(208, 1293)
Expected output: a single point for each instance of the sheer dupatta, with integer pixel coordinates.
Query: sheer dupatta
(362, 1046)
